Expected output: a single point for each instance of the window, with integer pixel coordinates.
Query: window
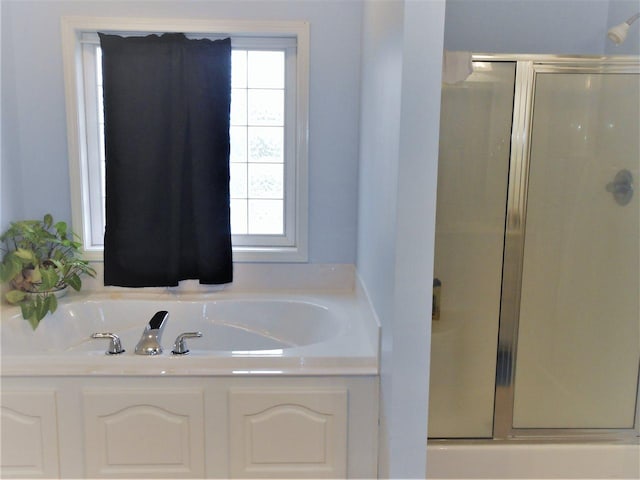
(268, 132)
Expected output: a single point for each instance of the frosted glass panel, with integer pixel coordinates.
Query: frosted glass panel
(266, 144)
(239, 69)
(579, 334)
(265, 181)
(257, 152)
(475, 131)
(266, 107)
(266, 69)
(266, 217)
(238, 106)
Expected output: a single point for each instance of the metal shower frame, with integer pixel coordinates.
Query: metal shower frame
(527, 68)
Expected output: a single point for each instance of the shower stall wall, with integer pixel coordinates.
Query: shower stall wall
(538, 250)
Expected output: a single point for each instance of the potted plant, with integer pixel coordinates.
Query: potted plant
(40, 260)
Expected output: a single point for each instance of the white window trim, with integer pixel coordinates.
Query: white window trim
(72, 31)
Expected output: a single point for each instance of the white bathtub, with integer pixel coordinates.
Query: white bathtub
(252, 333)
(287, 368)
(517, 459)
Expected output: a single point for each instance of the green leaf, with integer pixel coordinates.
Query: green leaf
(11, 267)
(15, 296)
(58, 265)
(42, 308)
(49, 278)
(25, 254)
(33, 320)
(52, 303)
(27, 309)
(75, 282)
(61, 228)
(18, 263)
(34, 276)
(48, 220)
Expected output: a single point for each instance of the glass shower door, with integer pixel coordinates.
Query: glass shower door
(475, 131)
(579, 323)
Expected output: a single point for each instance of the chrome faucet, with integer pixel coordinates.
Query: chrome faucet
(180, 346)
(149, 343)
(115, 346)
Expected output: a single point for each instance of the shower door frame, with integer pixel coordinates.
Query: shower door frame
(527, 68)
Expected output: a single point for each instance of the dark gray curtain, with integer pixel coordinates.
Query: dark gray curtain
(166, 107)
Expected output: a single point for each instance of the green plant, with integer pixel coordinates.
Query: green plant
(40, 258)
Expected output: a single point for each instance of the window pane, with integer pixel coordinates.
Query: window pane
(266, 69)
(238, 181)
(266, 144)
(238, 106)
(238, 138)
(239, 217)
(266, 107)
(239, 69)
(265, 181)
(265, 217)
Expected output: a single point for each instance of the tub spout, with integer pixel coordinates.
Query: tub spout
(149, 343)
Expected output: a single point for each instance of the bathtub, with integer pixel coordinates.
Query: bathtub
(243, 333)
(283, 382)
(520, 459)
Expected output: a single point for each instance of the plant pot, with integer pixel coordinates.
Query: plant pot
(59, 293)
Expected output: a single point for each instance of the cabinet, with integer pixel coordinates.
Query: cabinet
(190, 427)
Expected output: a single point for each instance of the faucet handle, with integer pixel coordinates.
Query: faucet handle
(180, 346)
(115, 347)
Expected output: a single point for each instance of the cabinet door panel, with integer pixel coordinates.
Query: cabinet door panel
(150, 434)
(298, 433)
(29, 435)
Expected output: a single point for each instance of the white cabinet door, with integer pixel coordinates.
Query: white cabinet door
(29, 435)
(148, 433)
(288, 433)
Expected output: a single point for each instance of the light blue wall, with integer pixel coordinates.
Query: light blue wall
(10, 173)
(402, 59)
(538, 26)
(34, 164)
(378, 187)
(401, 55)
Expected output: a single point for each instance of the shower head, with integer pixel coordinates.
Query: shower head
(618, 33)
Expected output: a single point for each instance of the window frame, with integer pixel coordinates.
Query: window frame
(291, 247)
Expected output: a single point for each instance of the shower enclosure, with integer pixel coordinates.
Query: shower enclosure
(538, 251)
